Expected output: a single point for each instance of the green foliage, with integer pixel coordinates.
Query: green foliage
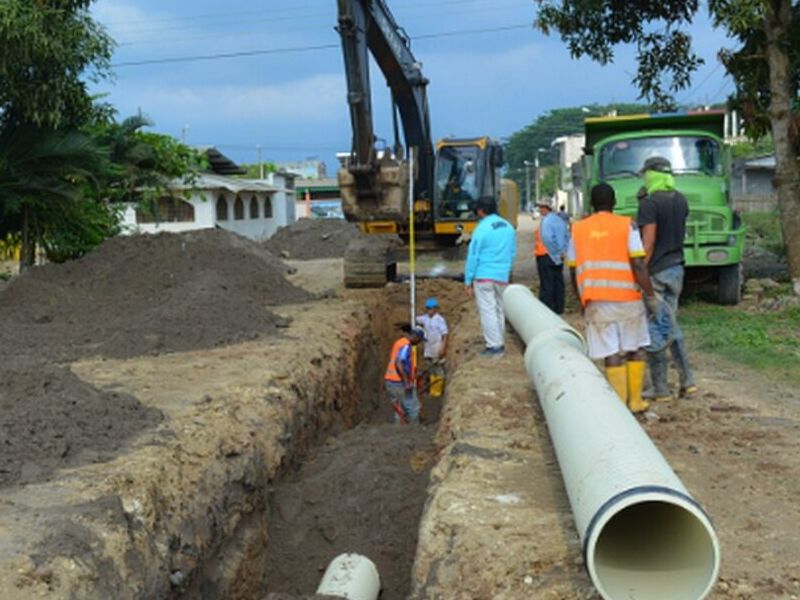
(764, 231)
(768, 341)
(143, 163)
(753, 148)
(254, 171)
(48, 47)
(524, 144)
(664, 54)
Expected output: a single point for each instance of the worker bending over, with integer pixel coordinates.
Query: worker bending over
(435, 327)
(606, 260)
(401, 376)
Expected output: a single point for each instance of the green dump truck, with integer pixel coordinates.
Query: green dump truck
(616, 148)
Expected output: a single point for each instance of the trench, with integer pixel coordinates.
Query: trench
(357, 485)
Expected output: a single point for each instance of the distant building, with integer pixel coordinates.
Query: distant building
(569, 149)
(318, 198)
(752, 184)
(250, 207)
(306, 169)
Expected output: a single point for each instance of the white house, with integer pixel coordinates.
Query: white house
(253, 208)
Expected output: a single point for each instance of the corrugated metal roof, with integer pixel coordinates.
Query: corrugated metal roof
(235, 185)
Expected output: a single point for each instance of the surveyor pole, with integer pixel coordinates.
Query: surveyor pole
(412, 266)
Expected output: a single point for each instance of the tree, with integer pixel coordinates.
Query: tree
(524, 144)
(50, 48)
(44, 175)
(765, 68)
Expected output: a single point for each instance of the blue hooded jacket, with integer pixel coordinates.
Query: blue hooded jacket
(492, 250)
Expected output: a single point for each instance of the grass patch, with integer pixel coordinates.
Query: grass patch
(768, 341)
(4, 276)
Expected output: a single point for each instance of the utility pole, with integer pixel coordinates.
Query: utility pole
(536, 163)
(527, 184)
(260, 163)
(184, 131)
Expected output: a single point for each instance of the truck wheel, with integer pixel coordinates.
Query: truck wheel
(730, 284)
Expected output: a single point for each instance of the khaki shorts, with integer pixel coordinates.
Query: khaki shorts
(615, 327)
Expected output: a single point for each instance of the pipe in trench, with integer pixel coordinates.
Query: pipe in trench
(643, 535)
(351, 576)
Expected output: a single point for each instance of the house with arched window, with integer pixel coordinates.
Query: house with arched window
(253, 208)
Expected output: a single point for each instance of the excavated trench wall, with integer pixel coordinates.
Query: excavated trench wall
(183, 513)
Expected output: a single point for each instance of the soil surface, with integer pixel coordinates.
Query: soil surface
(362, 492)
(313, 238)
(146, 294)
(135, 295)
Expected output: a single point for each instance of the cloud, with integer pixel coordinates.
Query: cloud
(319, 98)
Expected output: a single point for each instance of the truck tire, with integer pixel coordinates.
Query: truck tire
(729, 284)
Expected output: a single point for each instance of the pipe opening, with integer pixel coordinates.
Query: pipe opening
(655, 550)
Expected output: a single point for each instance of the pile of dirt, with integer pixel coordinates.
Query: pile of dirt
(131, 296)
(50, 419)
(307, 239)
(364, 492)
(148, 294)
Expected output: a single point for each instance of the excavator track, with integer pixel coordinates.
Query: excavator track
(369, 263)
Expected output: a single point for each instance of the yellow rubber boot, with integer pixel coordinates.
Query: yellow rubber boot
(618, 378)
(635, 371)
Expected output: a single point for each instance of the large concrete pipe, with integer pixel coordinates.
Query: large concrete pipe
(351, 576)
(644, 537)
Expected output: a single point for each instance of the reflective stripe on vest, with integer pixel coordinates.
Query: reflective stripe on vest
(539, 249)
(602, 262)
(392, 374)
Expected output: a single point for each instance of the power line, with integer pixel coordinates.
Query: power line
(694, 90)
(295, 49)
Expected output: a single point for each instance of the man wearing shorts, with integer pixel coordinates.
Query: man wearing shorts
(606, 261)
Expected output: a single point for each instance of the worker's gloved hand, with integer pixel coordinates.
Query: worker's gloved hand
(652, 303)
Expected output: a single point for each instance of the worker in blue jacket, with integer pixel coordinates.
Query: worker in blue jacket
(491, 254)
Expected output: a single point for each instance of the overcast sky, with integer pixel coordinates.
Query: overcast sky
(293, 104)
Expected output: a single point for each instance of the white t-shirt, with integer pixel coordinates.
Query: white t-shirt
(435, 329)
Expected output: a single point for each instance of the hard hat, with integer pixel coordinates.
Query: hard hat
(419, 332)
(431, 303)
(657, 163)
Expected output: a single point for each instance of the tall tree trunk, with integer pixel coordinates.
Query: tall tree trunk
(784, 131)
(27, 254)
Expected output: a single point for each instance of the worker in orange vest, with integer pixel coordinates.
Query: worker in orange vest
(607, 267)
(401, 376)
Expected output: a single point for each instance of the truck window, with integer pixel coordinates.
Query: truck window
(624, 158)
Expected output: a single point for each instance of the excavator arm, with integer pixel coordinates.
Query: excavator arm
(367, 26)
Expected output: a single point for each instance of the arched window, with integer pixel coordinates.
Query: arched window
(254, 208)
(222, 208)
(268, 207)
(167, 210)
(238, 209)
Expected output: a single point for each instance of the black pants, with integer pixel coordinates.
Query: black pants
(551, 283)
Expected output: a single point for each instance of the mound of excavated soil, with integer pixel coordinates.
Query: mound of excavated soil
(147, 293)
(50, 419)
(313, 238)
(130, 296)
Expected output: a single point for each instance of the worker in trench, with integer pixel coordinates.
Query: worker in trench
(608, 272)
(436, 332)
(401, 376)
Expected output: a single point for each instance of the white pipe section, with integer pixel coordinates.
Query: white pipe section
(644, 537)
(351, 576)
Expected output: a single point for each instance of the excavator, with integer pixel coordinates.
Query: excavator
(448, 177)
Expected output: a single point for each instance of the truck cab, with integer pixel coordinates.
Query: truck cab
(616, 148)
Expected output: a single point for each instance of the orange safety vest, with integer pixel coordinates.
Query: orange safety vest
(392, 374)
(539, 249)
(602, 262)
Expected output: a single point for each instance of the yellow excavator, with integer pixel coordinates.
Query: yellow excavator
(449, 177)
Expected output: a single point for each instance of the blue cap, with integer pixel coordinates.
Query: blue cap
(419, 332)
(431, 303)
